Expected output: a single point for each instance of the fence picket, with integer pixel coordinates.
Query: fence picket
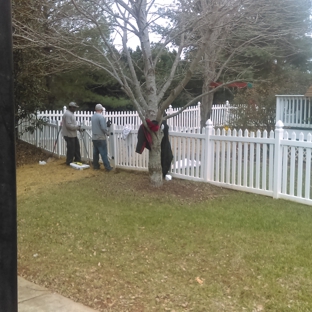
(218, 159)
(228, 159)
(264, 162)
(271, 163)
(308, 169)
(300, 168)
(246, 160)
(222, 158)
(251, 161)
(292, 167)
(258, 163)
(234, 151)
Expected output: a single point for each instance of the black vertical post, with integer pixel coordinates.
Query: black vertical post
(8, 227)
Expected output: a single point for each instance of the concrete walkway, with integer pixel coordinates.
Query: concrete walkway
(34, 298)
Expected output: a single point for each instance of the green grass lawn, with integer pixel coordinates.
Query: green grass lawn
(113, 243)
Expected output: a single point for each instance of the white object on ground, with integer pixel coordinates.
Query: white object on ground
(79, 166)
(168, 177)
(42, 162)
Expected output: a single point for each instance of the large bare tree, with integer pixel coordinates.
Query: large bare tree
(203, 33)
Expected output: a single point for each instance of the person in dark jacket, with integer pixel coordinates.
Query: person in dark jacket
(166, 152)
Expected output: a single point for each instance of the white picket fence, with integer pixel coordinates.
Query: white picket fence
(221, 114)
(276, 164)
(294, 110)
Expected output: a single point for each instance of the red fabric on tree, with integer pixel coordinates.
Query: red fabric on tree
(144, 137)
(153, 125)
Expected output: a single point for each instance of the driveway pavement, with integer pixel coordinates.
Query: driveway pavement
(34, 298)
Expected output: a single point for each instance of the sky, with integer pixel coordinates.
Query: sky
(133, 41)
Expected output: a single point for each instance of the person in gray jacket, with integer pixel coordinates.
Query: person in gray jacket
(99, 132)
(69, 131)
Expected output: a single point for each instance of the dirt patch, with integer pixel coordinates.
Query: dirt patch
(184, 190)
(28, 154)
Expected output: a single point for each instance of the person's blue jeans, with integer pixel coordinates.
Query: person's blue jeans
(100, 148)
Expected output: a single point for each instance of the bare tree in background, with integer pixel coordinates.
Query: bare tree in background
(243, 35)
(208, 37)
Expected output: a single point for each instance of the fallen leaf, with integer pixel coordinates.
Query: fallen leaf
(199, 281)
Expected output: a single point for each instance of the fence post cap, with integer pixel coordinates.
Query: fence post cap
(279, 124)
(209, 123)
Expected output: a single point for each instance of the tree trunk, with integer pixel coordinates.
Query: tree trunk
(209, 75)
(206, 106)
(154, 163)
